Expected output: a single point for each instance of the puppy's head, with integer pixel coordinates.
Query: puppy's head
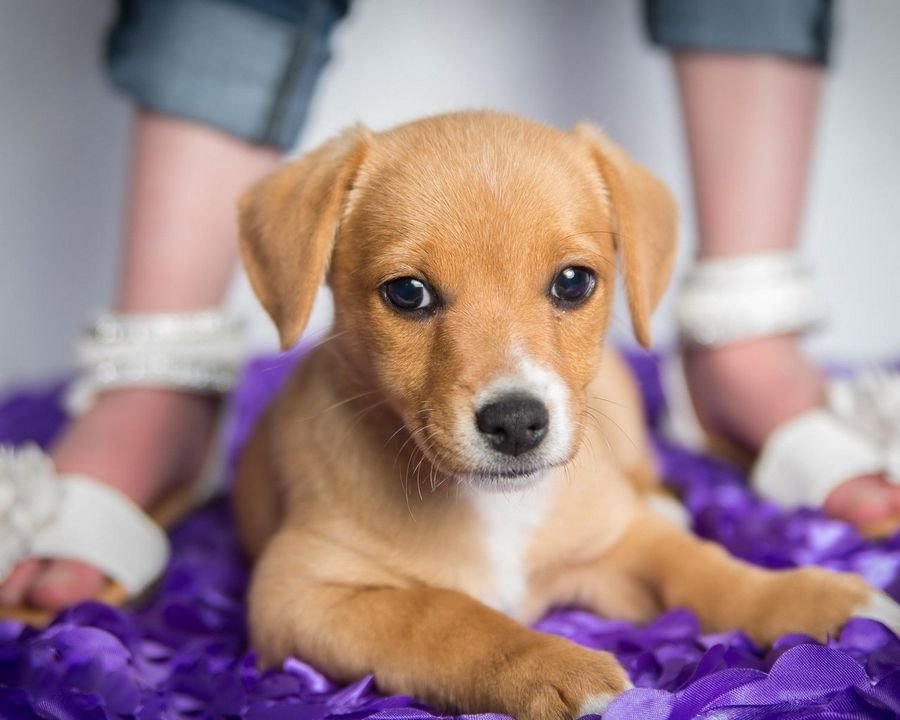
(472, 259)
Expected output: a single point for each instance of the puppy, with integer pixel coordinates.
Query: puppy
(464, 451)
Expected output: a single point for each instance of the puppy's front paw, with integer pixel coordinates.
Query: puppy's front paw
(813, 601)
(559, 680)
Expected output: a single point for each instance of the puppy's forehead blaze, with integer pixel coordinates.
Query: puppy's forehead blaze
(486, 198)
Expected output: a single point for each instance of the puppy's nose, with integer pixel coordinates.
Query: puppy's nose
(514, 424)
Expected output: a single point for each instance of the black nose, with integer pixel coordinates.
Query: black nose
(514, 424)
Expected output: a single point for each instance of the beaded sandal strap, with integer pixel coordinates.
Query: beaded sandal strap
(730, 300)
(192, 351)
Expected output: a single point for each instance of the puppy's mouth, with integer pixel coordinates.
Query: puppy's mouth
(510, 474)
(480, 468)
(505, 480)
(506, 476)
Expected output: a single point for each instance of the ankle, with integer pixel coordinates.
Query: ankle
(745, 390)
(138, 440)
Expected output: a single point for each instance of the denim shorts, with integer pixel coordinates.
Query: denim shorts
(799, 29)
(246, 67)
(249, 67)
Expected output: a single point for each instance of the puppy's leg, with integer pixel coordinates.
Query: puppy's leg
(256, 498)
(683, 571)
(439, 645)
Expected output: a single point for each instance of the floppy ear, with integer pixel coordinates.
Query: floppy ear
(646, 223)
(288, 223)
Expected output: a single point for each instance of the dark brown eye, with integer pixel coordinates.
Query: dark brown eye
(408, 294)
(572, 286)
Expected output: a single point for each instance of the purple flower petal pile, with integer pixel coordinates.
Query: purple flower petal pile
(182, 651)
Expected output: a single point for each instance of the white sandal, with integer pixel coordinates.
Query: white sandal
(856, 433)
(69, 516)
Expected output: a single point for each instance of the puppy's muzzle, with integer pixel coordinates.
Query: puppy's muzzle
(513, 424)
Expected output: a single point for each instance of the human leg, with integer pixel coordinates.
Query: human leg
(749, 121)
(192, 154)
(749, 77)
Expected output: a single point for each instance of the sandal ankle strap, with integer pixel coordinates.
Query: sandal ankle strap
(190, 351)
(729, 300)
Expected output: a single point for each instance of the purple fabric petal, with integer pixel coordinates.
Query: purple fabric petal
(641, 703)
(803, 673)
(182, 653)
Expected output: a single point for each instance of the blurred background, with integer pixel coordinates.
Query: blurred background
(64, 135)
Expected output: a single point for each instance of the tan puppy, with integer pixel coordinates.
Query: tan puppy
(465, 452)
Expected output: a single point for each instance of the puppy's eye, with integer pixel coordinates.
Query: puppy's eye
(408, 294)
(572, 286)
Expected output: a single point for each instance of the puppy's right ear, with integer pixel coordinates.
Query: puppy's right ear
(288, 223)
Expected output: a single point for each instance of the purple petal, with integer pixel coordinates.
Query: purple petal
(803, 673)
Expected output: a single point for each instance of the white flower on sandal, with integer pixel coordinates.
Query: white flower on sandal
(870, 402)
(29, 499)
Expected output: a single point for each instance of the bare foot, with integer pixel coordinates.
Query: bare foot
(141, 442)
(744, 391)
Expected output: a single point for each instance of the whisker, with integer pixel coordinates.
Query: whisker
(328, 338)
(411, 436)
(355, 420)
(405, 486)
(607, 400)
(588, 441)
(418, 484)
(436, 468)
(417, 468)
(338, 404)
(618, 427)
(394, 434)
(412, 455)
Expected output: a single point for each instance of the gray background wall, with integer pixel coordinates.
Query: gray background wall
(64, 138)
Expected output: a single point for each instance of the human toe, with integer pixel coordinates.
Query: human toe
(16, 585)
(863, 499)
(63, 583)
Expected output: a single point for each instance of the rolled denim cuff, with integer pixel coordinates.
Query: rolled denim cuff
(799, 29)
(236, 66)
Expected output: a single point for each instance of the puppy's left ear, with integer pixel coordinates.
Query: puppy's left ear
(646, 224)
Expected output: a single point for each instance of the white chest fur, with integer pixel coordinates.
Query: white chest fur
(510, 520)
